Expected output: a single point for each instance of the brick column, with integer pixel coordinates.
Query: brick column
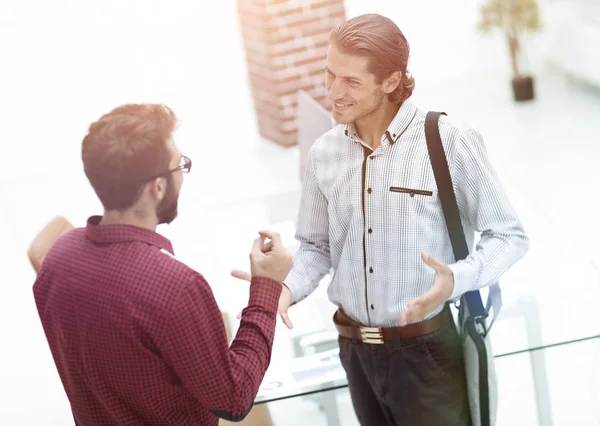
(286, 46)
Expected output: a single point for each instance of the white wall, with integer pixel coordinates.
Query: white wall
(577, 40)
(66, 62)
(444, 38)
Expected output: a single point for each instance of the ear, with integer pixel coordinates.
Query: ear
(157, 188)
(391, 83)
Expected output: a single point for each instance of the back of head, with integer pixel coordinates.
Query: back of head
(380, 40)
(125, 148)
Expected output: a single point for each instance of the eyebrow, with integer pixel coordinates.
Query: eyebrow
(344, 77)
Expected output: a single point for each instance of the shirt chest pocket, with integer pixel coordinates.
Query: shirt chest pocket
(412, 192)
(412, 200)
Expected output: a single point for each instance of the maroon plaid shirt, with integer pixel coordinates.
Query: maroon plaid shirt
(137, 336)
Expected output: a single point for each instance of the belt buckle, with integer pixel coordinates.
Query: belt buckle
(371, 335)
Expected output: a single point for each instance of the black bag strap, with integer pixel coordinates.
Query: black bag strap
(471, 299)
(443, 180)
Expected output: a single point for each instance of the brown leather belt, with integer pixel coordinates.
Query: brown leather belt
(378, 335)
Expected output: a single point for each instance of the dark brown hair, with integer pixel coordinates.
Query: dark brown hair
(381, 41)
(124, 149)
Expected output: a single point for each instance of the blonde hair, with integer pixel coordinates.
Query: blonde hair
(380, 40)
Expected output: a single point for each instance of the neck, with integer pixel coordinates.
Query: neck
(129, 217)
(372, 127)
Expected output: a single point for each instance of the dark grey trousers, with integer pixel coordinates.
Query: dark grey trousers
(409, 382)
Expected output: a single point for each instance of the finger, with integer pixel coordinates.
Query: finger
(415, 311)
(241, 275)
(431, 262)
(257, 246)
(403, 320)
(410, 316)
(273, 236)
(415, 303)
(428, 299)
(267, 247)
(286, 319)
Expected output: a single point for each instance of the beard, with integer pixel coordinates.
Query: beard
(166, 210)
(375, 103)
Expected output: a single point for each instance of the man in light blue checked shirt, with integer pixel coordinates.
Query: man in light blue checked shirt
(370, 211)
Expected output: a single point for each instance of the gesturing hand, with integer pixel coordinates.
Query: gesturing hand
(271, 259)
(443, 286)
(285, 300)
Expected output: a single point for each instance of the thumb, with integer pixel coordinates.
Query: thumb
(241, 275)
(430, 261)
(286, 319)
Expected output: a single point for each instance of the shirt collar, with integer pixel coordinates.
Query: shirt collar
(124, 233)
(398, 125)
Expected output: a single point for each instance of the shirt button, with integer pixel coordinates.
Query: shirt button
(369, 190)
(372, 307)
(371, 269)
(370, 230)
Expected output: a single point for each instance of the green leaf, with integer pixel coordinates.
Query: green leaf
(510, 15)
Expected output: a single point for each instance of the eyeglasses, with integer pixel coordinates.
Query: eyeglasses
(185, 166)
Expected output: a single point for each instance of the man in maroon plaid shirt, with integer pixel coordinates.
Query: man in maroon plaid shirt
(136, 335)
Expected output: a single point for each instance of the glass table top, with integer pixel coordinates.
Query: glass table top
(322, 372)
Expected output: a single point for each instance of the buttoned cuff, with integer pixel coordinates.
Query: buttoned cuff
(295, 283)
(264, 293)
(464, 279)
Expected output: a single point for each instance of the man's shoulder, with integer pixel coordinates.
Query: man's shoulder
(151, 263)
(177, 282)
(330, 142)
(68, 243)
(162, 280)
(452, 128)
(454, 125)
(169, 265)
(331, 138)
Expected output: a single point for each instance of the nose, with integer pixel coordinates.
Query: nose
(336, 91)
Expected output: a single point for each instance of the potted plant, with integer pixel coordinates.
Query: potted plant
(514, 17)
